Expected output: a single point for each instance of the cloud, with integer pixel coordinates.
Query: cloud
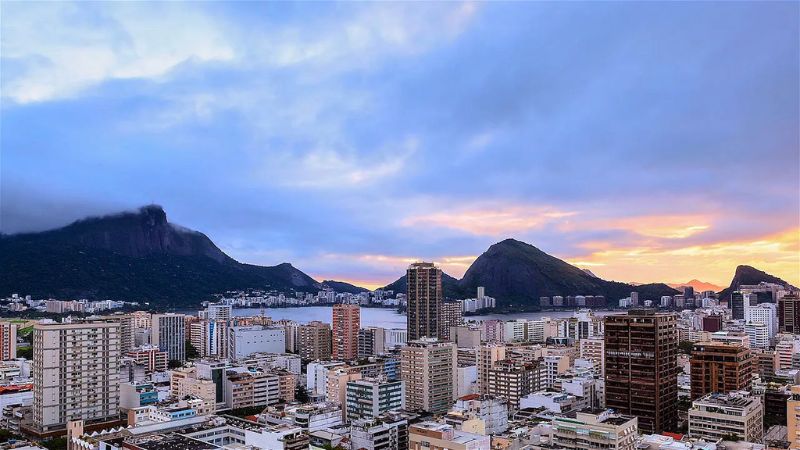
(491, 221)
(62, 48)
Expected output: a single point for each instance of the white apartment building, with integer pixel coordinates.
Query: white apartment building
(715, 416)
(244, 341)
(766, 313)
(757, 334)
(588, 431)
(75, 373)
(218, 311)
(594, 349)
(368, 398)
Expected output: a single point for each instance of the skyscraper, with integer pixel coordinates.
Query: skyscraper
(314, 340)
(428, 368)
(8, 340)
(450, 315)
(720, 367)
(641, 367)
(789, 314)
(346, 323)
(169, 334)
(424, 300)
(75, 374)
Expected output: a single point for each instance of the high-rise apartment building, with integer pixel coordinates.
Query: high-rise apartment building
(368, 398)
(789, 314)
(424, 297)
(720, 367)
(487, 356)
(8, 341)
(593, 349)
(244, 341)
(451, 315)
(153, 359)
(314, 340)
(75, 374)
(428, 368)
(169, 334)
(641, 367)
(346, 323)
(766, 313)
(371, 341)
(514, 379)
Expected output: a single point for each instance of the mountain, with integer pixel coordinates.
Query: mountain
(517, 274)
(341, 286)
(749, 275)
(135, 256)
(590, 273)
(699, 286)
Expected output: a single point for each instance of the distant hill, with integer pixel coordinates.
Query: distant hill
(341, 286)
(699, 286)
(749, 275)
(135, 256)
(516, 273)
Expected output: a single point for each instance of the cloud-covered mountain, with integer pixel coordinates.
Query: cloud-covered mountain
(133, 256)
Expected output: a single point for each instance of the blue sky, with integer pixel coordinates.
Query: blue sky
(650, 141)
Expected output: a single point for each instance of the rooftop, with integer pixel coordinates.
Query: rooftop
(169, 442)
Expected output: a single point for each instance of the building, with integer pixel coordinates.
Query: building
(641, 372)
(758, 335)
(450, 315)
(386, 433)
(8, 341)
(789, 314)
(169, 335)
(428, 368)
(719, 367)
(593, 349)
(314, 340)
(793, 417)
(438, 436)
(371, 341)
(247, 389)
(150, 356)
(487, 356)
(594, 430)
(513, 380)
(424, 298)
(244, 341)
(492, 411)
(766, 313)
(719, 416)
(712, 323)
(75, 374)
(368, 398)
(218, 311)
(346, 323)
(466, 336)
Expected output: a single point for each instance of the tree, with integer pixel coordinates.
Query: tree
(686, 347)
(191, 350)
(301, 394)
(174, 363)
(25, 352)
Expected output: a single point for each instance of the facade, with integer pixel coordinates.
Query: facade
(244, 341)
(314, 340)
(641, 367)
(8, 341)
(793, 417)
(371, 341)
(588, 431)
(716, 416)
(493, 411)
(487, 356)
(153, 359)
(428, 368)
(593, 349)
(248, 389)
(368, 398)
(382, 434)
(789, 314)
(513, 380)
(75, 374)
(169, 334)
(450, 315)
(424, 297)
(766, 313)
(718, 367)
(346, 323)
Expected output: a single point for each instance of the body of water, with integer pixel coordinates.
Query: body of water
(382, 317)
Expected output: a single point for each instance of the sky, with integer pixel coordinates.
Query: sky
(645, 141)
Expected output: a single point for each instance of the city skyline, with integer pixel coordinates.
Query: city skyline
(619, 145)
